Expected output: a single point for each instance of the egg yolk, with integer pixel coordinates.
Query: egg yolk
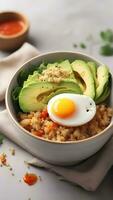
(63, 108)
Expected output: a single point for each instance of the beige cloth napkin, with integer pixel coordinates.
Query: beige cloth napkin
(10, 64)
(91, 172)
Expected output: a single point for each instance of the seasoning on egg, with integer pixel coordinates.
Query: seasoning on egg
(30, 178)
(11, 27)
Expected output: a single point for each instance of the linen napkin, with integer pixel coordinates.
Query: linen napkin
(10, 64)
(90, 173)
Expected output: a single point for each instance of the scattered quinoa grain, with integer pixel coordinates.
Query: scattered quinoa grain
(12, 150)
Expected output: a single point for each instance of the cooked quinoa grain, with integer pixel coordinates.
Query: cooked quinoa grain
(54, 74)
(39, 124)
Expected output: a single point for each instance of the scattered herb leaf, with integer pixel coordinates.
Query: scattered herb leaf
(82, 45)
(106, 50)
(107, 36)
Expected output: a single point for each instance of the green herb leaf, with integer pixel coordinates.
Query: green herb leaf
(15, 96)
(106, 50)
(107, 36)
(24, 73)
(15, 93)
(82, 45)
(1, 138)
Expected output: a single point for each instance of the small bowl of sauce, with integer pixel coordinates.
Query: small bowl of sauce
(14, 29)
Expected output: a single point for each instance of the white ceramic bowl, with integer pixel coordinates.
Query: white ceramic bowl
(60, 153)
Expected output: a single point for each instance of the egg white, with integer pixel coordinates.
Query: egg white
(86, 109)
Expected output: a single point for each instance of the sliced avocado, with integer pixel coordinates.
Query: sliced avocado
(104, 96)
(106, 91)
(79, 81)
(84, 72)
(69, 83)
(65, 65)
(30, 97)
(65, 86)
(63, 90)
(34, 95)
(51, 65)
(31, 79)
(102, 79)
(93, 69)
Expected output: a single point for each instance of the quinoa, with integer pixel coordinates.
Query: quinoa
(40, 125)
(54, 74)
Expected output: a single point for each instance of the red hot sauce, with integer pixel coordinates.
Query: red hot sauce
(11, 27)
(30, 178)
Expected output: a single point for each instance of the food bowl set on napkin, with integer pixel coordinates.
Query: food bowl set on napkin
(58, 153)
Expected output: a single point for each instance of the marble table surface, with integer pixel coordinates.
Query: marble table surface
(56, 25)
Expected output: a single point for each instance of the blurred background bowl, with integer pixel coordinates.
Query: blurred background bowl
(12, 42)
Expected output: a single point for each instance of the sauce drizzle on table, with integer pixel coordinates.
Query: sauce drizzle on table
(30, 178)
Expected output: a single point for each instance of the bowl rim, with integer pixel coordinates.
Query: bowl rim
(40, 138)
(25, 27)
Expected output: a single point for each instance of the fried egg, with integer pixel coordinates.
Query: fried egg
(71, 109)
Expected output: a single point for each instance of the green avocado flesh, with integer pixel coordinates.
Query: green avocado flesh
(104, 95)
(28, 98)
(106, 92)
(67, 67)
(83, 78)
(84, 72)
(32, 79)
(35, 95)
(102, 79)
(93, 69)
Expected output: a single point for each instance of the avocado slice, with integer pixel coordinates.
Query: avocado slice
(65, 65)
(84, 72)
(34, 96)
(51, 65)
(32, 79)
(63, 90)
(102, 79)
(104, 96)
(106, 91)
(93, 69)
(30, 97)
(65, 86)
(68, 83)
